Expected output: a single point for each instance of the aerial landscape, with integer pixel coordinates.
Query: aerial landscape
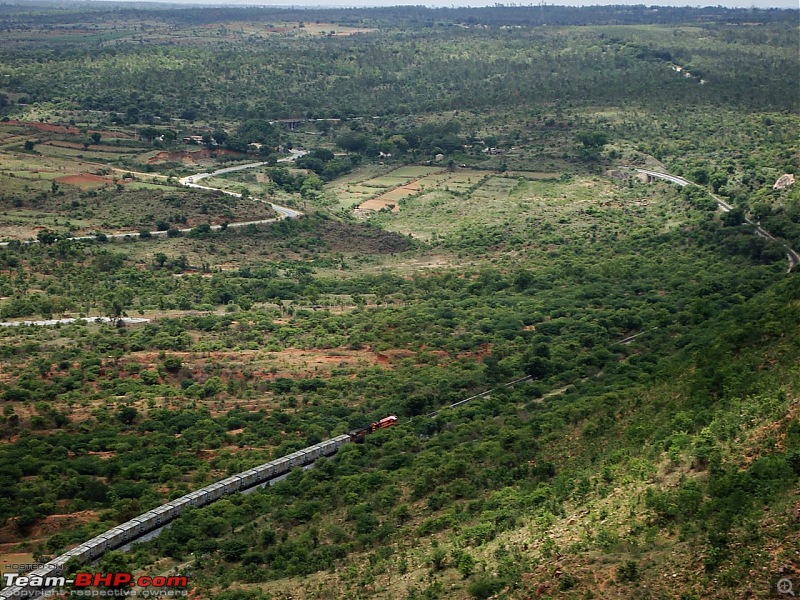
(399, 302)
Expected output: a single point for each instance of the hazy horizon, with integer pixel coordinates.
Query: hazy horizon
(759, 4)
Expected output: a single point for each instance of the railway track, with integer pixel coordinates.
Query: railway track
(147, 525)
(792, 256)
(138, 527)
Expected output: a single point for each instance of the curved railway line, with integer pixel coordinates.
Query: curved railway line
(284, 212)
(791, 255)
(134, 530)
(131, 531)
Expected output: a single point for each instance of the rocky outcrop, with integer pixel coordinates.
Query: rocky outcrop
(784, 182)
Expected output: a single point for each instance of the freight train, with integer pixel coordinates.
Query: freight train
(158, 517)
(358, 435)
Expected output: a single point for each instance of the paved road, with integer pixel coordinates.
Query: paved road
(794, 258)
(293, 156)
(284, 212)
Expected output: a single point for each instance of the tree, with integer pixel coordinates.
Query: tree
(47, 237)
(700, 175)
(761, 210)
(116, 303)
(29, 145)
(96, 137)
(201, 231)
(465, 563)
(115, 561)
(173, 363)
(234, 549)
(400, 143)
(148, 133)
(220, 137)
(592, 143)
(311, 186)
(593, 139)
(733, 217)
(438, 559)
(352, 141)
(128, 415)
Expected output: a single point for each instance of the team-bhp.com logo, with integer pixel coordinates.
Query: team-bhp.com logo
(84, 580)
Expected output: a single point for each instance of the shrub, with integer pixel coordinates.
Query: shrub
(486, 587)
(173, 363)
(629, 572)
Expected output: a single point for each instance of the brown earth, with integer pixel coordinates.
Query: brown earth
(188, 157)
(85, 180)
(9, 535)
(92, 147)
(64, 129)
(290, 362)
(14, 558)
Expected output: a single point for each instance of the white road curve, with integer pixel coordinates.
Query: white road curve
(794, 257)
(284, 212)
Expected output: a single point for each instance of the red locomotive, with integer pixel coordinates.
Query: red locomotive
(357, 435)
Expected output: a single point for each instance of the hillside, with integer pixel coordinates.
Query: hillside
(404, 208)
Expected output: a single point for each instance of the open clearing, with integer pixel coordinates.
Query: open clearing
(473, 199)
(388, 191)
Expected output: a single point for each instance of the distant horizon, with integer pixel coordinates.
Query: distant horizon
(333, 4)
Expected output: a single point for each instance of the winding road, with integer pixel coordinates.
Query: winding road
(794, 258)
(284, 212)
(190, 181)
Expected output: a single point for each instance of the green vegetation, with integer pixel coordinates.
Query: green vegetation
(470, 218)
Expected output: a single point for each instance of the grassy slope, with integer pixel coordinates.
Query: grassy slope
(679, 485)
(663, 469)
(638, 479)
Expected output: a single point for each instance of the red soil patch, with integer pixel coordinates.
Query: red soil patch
(392, 197)
(85, 180)
(480, 353)
(45, 127)
(388, 357)
(46, 527)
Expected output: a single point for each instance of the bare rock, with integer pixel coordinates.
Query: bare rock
(784, 181)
